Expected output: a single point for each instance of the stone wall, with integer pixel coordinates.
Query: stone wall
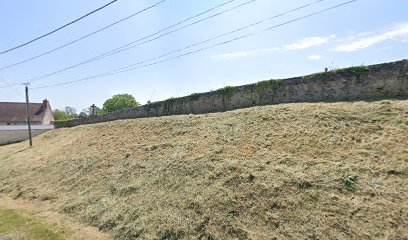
(389, 80)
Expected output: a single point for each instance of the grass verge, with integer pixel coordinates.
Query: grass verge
(16, 225)
(288, 171)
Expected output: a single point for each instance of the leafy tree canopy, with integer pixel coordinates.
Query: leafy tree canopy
(60, 115)
(119, 102)
(65, 114)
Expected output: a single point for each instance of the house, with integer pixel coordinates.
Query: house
(13, 120)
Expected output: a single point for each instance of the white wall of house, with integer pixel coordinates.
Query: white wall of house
(48, 117)
(19, 123)
(25, 127)
(17, 133)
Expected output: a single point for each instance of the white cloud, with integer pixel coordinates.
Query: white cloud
(244, 53)
(404, 40)
(346, 39)
(309, 42)
(270, 49)
(373, 40)
(301, 44)
(233, 55)
(314, 57)
(363, 34)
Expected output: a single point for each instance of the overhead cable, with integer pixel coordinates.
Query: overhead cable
(114, 72)
(119, 49)
(81, 38)
(57, 29)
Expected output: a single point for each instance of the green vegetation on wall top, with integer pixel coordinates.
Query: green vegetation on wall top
(359, 72)
(195, 96)
(405, 71)
(226, 92)
(168, 104)
(154, 105)
(263, 87)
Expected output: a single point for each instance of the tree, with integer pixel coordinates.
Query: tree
(119, 102)
(71, 112)
(60, 115)
(83, 113)
(99, 111)
(67, 113)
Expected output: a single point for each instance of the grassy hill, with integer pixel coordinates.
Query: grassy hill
(290, 171)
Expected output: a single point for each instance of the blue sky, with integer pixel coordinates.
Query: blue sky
(361, 33)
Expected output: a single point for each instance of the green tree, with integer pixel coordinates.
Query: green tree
(119, 102)
(99, 111)
(67, 113)
(71, 112)
(60, 115)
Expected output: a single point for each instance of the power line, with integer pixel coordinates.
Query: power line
(114, 72)
(57, 29)
(128, 46)
(83, 37)
(219, 36)
(225, 34)
(120, 49)
(123, 69)
(16, 93)
(133, 45)
(179, 23)
(11, 95)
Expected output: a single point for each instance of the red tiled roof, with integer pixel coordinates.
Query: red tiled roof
(16, 112)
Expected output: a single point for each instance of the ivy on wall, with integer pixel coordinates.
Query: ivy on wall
(263, 87)
(238, 96)
(226, 93)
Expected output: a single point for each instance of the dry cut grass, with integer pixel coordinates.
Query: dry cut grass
(291, 171)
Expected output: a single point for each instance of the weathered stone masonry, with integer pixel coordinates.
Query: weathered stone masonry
(389, 80)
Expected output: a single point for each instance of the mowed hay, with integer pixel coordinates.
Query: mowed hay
(290, 171)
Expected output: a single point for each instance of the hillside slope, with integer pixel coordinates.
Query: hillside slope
(291, 171)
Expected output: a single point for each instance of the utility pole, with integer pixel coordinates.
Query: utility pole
(28, 114)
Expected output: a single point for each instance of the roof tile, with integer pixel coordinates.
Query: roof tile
(16, 112)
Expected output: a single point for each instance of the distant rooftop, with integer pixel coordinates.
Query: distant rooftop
(16, 112)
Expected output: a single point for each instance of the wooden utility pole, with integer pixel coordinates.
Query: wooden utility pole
(28, 114)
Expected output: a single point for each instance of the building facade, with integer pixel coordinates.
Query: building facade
(13, 120)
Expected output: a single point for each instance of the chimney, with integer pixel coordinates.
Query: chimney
(45, 103)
